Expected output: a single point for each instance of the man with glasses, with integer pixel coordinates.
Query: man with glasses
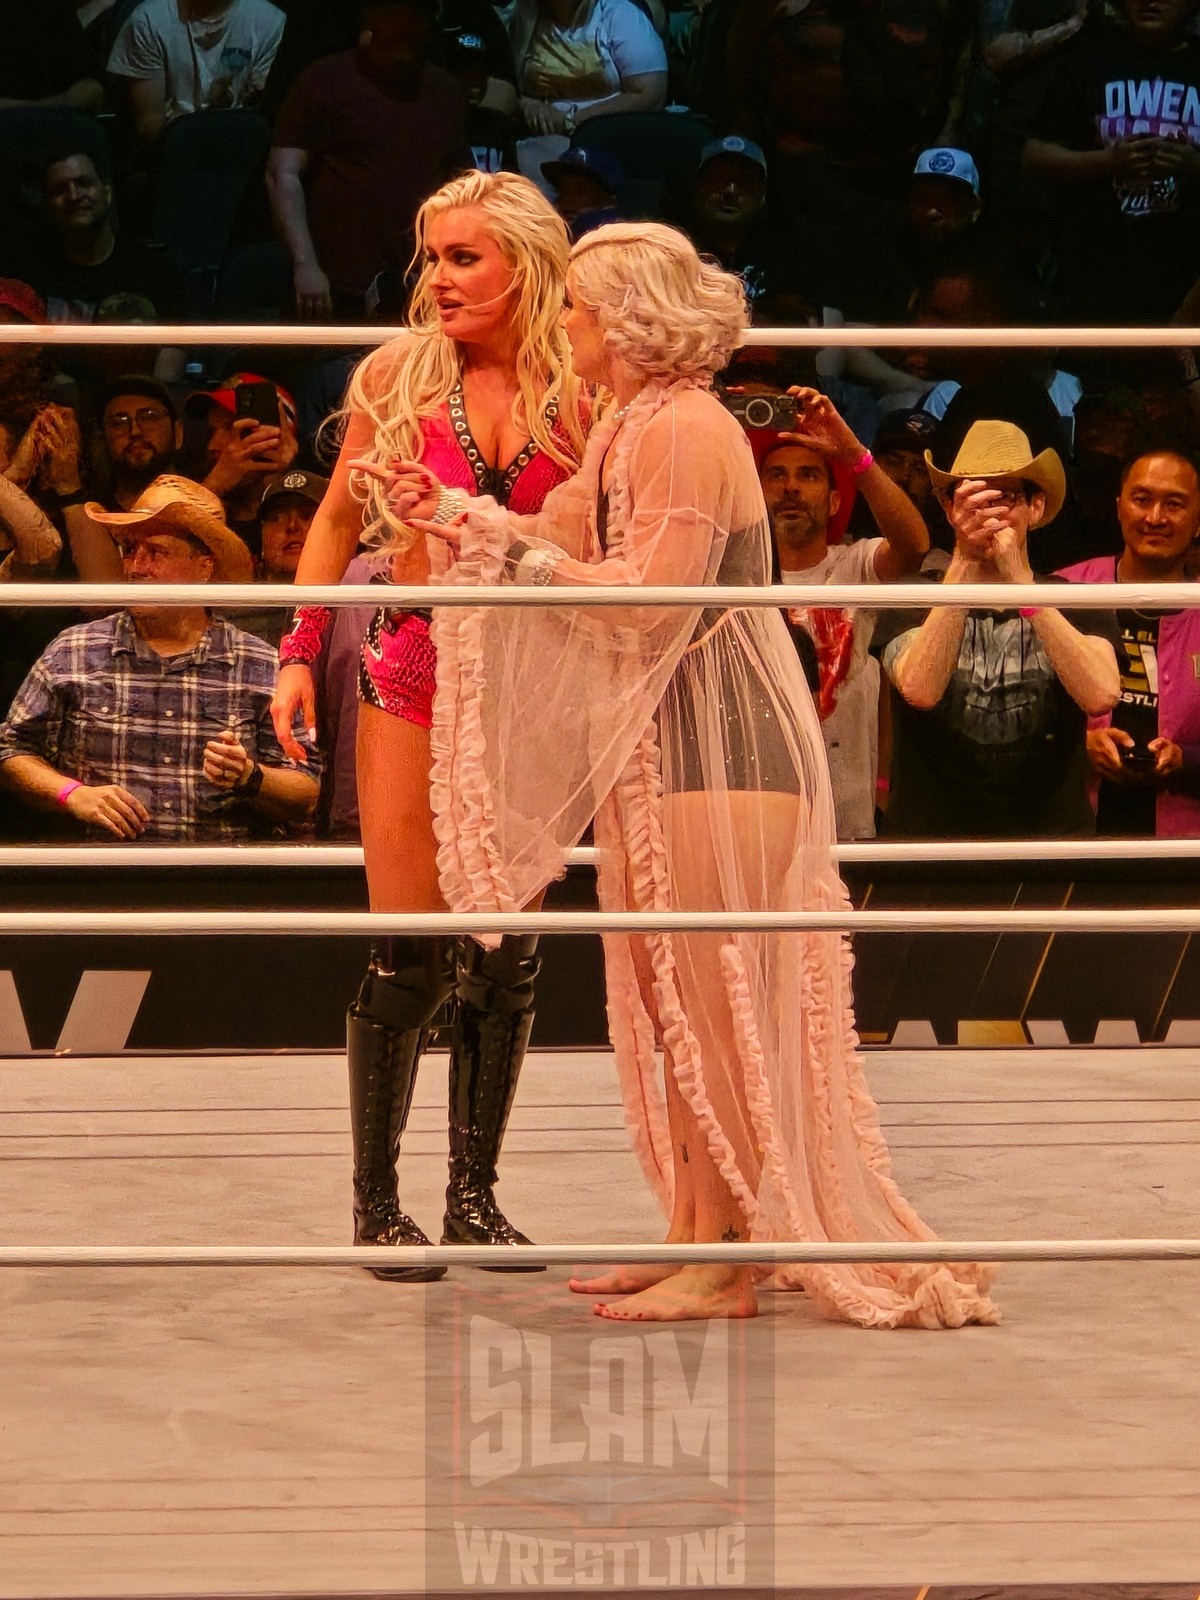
(140, 435)
(154, 722)
(990, 706)
(1146, 756)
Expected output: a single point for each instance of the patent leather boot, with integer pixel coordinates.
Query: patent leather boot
(493, 1020)
(407, 983)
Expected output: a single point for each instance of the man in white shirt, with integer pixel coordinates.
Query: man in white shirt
(802, 497)
(180, 56)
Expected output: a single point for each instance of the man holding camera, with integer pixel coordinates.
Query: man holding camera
(805, 475)
(990, 711)
(1146, 755)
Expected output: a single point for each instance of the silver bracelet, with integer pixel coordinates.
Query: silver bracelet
(535, 567)
(450, 504)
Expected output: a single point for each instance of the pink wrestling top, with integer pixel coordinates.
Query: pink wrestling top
(451, 453)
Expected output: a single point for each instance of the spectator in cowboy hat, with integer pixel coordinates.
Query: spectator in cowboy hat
(154, 722)
(990, 709)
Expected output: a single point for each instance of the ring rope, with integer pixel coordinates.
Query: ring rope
(875, 597)
(899, 596)
(872, 852)
(573, 1255)
(854, 337)
(379, 925)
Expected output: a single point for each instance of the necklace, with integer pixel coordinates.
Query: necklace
(618, 416)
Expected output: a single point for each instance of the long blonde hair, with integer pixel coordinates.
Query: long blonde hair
(402, 383)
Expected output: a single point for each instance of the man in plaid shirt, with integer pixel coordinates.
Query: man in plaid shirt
(155, 723)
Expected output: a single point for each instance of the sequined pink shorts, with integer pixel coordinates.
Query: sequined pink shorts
(398, 666)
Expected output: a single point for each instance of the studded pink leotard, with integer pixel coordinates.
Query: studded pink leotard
(398, 665)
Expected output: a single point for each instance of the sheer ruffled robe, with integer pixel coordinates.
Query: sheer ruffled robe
(691, 737)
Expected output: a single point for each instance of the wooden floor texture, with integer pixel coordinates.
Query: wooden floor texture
(266, 1432)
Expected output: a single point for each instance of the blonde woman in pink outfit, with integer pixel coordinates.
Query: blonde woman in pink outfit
(689, 734)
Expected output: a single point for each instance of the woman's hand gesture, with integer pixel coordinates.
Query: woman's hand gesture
(412, 492)
(295, 691)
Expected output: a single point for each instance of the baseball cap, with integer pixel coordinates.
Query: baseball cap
(945, 162)
(21, 300)
(913, 429)
(140, 383)
(732, 145)
(598, 164)
(308, 486)
(226, 395)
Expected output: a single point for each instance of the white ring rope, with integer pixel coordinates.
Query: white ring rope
(576, 1255)
(874, 596)
(286, 857)
(379, 925)
(860, 336)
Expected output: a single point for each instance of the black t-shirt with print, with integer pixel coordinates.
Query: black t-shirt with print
(1003, 754)
(74, 293)
(1124, 247)
(1128, 810)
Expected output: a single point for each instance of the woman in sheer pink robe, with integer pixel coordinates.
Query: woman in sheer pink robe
(690, 736)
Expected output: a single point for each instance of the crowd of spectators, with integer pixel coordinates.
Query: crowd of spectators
(914, 163)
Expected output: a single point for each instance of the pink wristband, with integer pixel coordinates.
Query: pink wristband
(1030, 611)
(67, 790)
(864, 464)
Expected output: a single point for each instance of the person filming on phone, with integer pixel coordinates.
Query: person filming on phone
(1145, 756)
(990, 709)
(251, 437)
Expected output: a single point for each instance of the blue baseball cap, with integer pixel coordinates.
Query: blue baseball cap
(945, 162)
(912, 429)
(597, 164)
(732, 145)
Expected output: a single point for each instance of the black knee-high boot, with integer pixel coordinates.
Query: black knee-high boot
(493, 1019)
(407, 983)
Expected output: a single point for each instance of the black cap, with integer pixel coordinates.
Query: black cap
(308, 486)
(139, 383)
(909, 429)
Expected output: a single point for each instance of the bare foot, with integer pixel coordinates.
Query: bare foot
(623, 1280)
(693, 1294)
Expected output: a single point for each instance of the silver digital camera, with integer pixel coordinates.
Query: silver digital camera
(778, 411)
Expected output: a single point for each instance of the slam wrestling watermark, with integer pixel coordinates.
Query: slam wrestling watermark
(569, 1452)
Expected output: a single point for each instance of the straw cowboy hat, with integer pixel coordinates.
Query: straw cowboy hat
(177, 505)
(1000, 450)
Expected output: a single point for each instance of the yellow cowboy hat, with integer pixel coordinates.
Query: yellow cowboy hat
(1001, 450)
(178, 505)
